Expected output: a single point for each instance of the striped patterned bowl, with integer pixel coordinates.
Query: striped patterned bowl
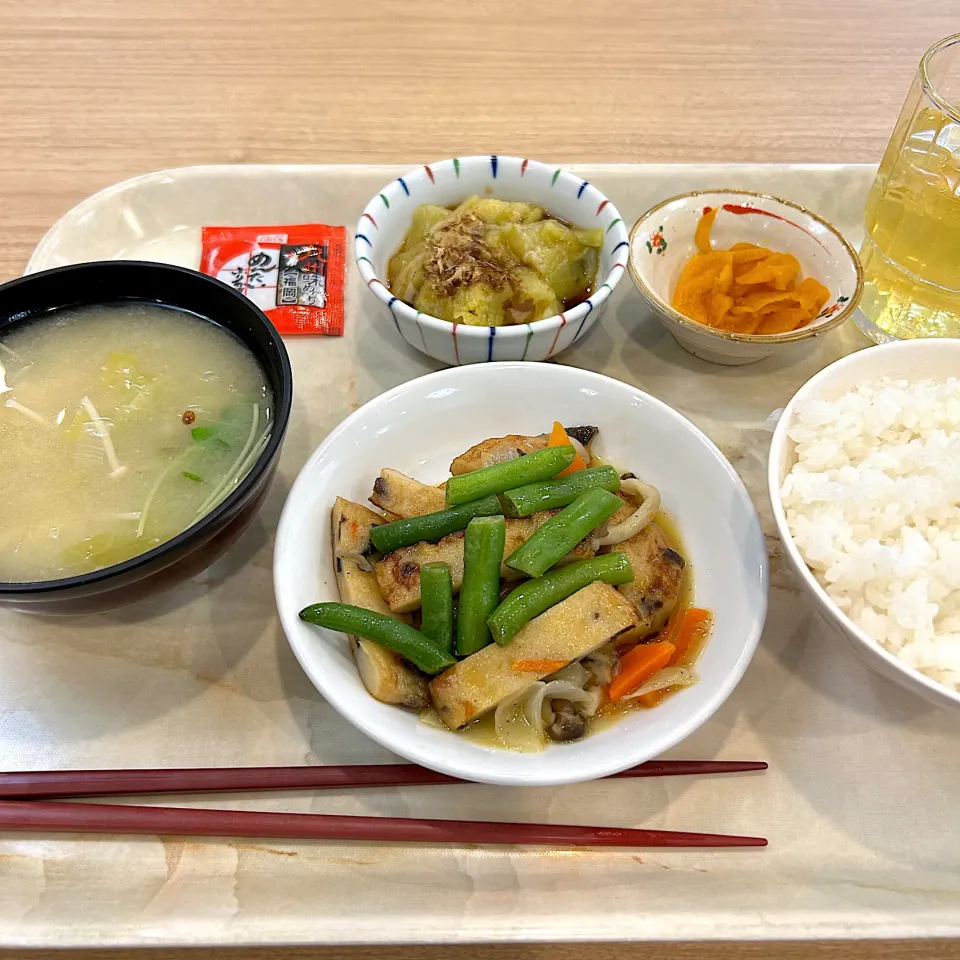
(387, 218)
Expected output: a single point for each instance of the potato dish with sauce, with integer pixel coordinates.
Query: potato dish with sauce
(491, 262)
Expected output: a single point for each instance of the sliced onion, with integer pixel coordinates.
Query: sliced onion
(505, 706)
(554, 690)
(430, 717)
(574, 672)
(595, 693)
(601, 663)
(359, 559)
(511, 725)
(667, 677)
(643, 515)
(502, 453)
(581, 449)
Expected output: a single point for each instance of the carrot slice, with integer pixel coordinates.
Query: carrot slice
(783, 320)
(638, 665)
(763, 301)
(812, 294)
(753, 273)
(690, 629)
(702, 236)
(684, 630)
(745, 254)
(718, 306)
(693, 627)
(785, 267)
(538, 666)
(703, 276)
(559, 438)
(675, 624)
(734, 290)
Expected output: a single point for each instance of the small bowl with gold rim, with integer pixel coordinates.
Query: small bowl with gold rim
(662, 241)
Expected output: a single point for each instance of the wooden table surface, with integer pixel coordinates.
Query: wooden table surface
(94, 91)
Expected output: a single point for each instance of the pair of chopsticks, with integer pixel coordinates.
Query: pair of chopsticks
(25, 806)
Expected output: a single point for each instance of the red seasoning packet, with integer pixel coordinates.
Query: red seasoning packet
(294, 273)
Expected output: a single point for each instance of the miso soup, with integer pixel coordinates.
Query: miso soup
(120, 426)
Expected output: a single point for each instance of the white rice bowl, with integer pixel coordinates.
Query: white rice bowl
(873, 505)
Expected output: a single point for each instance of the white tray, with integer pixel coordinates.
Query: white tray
(858, 801)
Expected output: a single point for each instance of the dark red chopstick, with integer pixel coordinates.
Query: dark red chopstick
(46, 784)
(180, 821)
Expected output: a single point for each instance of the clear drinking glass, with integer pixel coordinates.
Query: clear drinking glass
(911, 244)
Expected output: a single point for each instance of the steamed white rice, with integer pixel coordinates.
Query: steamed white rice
(873, 504)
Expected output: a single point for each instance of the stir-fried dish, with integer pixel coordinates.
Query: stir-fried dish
(534, 592)
(491, 262)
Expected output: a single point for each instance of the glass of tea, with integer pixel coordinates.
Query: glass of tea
(911, 245)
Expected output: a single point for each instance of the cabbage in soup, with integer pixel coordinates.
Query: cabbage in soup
(121, 425)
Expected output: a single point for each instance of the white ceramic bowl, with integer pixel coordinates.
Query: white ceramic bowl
(662, 241)
(908, 360)
(387, 217)
(419, 428)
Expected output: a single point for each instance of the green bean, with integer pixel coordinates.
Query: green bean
(541, 465)
(533, 597)
(388, 537)
(480, 590)
(551, 494)
(393, 634)
(436, 603)
(561, 533)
